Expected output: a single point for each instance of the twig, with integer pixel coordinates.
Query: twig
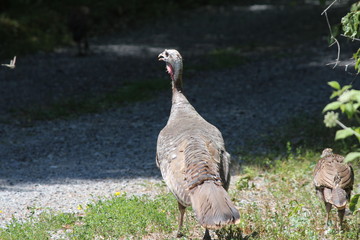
(339, 50)
(352, 81)
(356, 39)
(330, 63)
(328, 7)
(345, 127)
(332, 35)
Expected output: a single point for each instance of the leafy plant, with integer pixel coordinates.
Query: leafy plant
(355, 204)
(348, 102)
(356, 57)
(351, 28)
(348, 99)
(350, 22)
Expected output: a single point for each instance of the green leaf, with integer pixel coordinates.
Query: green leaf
(356, 57)
(346, 87)
(350, 24)
(344, 133)
(356, 106)
(357, 97)
(349, 110)
(357, 130)
(355, 7)
(354, 204)
(334, 84)
(334, 94)
(342, 108)
(352, 156)
(332, 106)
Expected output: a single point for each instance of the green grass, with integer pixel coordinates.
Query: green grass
(37, 228)
(277, 202)
(130, 92)
(118, 217)
(123, 217)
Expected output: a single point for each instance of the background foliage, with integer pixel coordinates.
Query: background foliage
(30, 25)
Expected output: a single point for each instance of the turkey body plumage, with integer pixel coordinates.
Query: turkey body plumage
(193, 160)
(333, 181)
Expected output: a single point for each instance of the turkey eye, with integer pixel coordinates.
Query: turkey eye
(167, 54)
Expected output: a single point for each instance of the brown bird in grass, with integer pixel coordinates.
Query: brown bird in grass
(333, 180)
(192, 158)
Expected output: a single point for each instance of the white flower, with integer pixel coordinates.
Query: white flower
(345, 96)
(330, 119)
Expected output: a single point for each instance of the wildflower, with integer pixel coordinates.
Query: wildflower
(117, 193)
(79, 207)
(330, 119)
(345, 96)
(1, 211)
(349, 95)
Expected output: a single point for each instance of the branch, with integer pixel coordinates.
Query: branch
(356, 39)
(345, 127)
(332, 35)
(328, 7)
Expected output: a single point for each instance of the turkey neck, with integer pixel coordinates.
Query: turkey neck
(180, 104)
(176, 79)
(177, 95)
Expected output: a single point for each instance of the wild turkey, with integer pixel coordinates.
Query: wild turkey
(192, 158)
(79, 25)
(333, 180)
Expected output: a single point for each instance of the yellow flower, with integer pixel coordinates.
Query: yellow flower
(117, 193)
(1, 211)
(79, 207)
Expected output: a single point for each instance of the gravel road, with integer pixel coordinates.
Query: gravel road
(60, 164)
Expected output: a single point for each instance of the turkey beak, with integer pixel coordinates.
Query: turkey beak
(161, 57)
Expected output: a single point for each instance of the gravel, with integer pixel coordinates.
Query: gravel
(61, 164)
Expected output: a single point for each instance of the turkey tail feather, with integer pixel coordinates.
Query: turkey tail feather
(213, 207)
(339, 197)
